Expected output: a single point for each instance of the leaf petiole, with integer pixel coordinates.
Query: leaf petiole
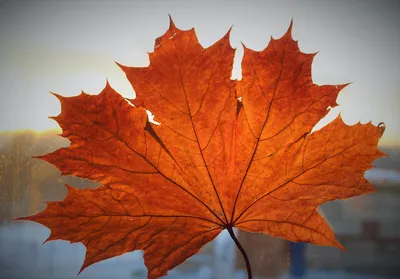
(240, 247)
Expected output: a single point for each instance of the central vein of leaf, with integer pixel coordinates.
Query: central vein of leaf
(195, 133)
(233, 220)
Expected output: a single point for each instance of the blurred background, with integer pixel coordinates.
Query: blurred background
(66, 46)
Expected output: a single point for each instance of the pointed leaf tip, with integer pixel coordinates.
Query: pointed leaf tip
(70, 189)
(48, 239)
(226, 38)
(290, 26)
(228, 33)
(107, 88)
(342, 86)
(80, 270)
(124, 68)
(171, 23)
(289, 30)
(107, 83)
(59, 97)
(314, 54)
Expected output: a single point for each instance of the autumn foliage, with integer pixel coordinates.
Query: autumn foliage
(226, 154)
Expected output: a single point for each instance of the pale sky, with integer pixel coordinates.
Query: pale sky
(69, 46)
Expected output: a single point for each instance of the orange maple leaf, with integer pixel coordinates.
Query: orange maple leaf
(227, 154)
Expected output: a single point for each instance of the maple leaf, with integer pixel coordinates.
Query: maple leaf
(227, 154)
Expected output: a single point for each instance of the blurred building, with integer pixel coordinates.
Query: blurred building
(368, 227)
(269, 256)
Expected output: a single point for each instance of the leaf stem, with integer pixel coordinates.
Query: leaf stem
(240, 247)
